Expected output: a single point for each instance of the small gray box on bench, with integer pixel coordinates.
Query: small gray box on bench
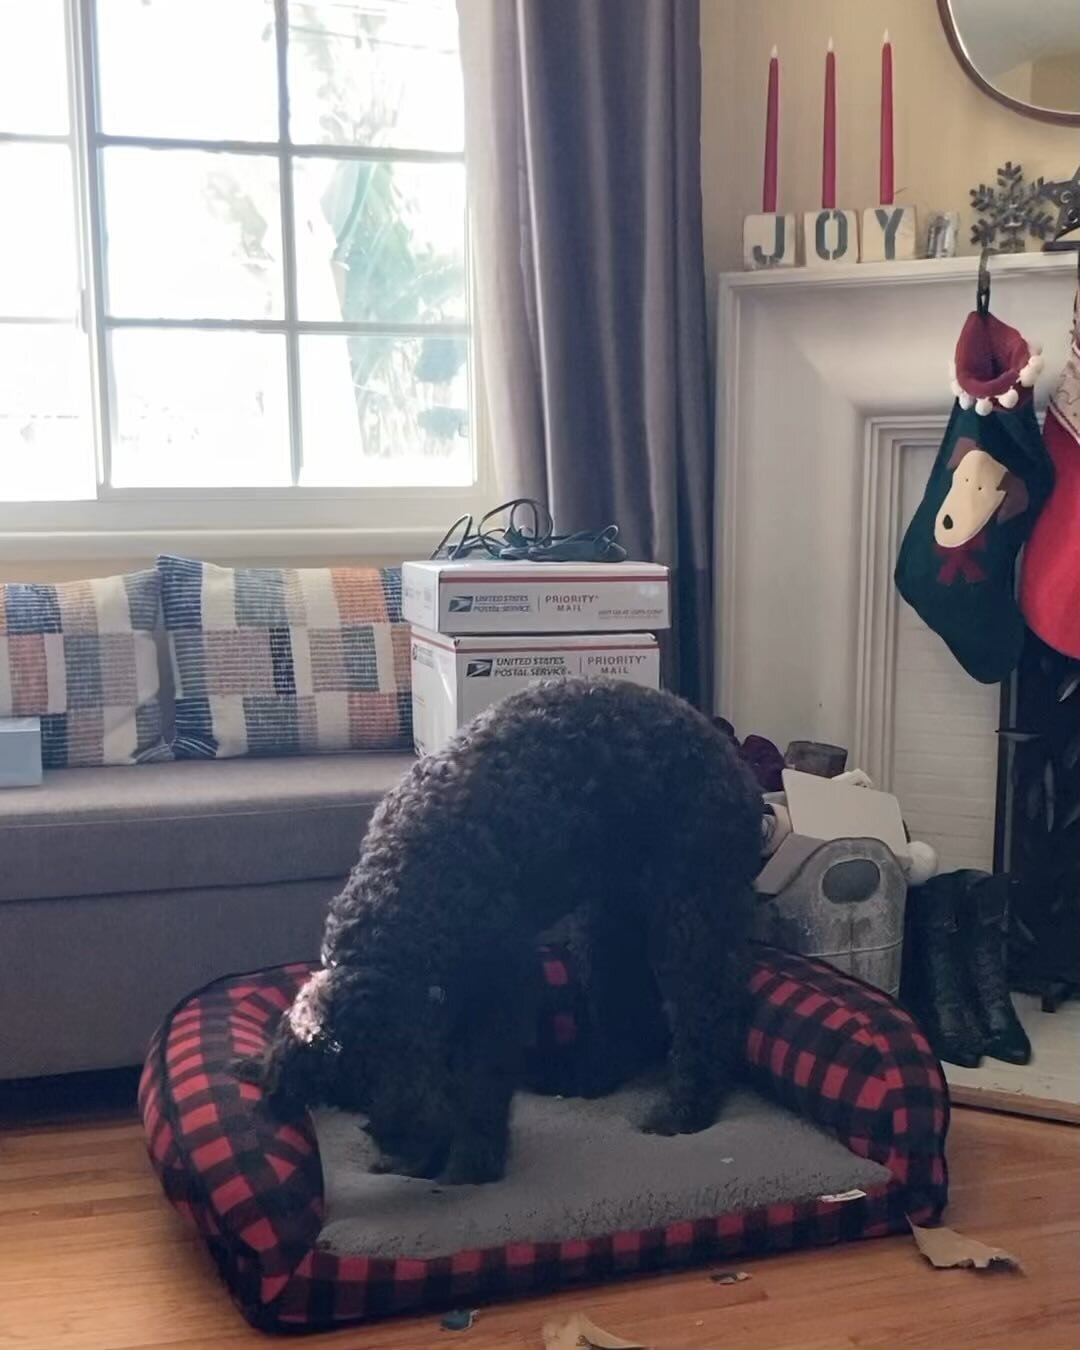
(20, 751)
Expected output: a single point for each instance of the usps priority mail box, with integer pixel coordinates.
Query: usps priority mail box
(455, 678)
(536, 597)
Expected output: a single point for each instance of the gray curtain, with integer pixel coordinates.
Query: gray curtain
(583, 144)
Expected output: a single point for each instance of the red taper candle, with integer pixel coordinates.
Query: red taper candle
(772, 119)
(828, 150)
(887, 190)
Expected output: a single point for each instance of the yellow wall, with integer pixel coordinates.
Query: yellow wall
(948, 135)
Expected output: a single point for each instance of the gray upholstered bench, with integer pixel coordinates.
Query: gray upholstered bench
(123, 888)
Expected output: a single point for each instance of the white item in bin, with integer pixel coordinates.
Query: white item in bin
(485, 596)
(20, 751)
(822, 810)
(455, 678)
(921, 861)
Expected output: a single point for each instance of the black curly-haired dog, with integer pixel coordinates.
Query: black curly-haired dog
(594, 795)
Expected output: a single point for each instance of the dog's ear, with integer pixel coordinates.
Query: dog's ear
(963, 446)
(289, 1073)
(301, 1074)
(1016, 498)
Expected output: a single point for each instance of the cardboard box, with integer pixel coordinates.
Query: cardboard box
(822, 810)
(20, 752)
(527, 597)
(455, 678)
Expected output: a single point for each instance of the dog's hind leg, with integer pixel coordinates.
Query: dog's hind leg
(624, 1031)
(702, 975)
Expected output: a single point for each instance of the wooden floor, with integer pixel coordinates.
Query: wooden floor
(92, 1258)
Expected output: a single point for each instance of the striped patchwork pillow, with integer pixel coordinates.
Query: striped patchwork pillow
(281, 660)
(81, 656)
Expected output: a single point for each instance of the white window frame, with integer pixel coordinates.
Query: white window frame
(296, 521)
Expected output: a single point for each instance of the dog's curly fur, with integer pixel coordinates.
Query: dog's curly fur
(595, 795)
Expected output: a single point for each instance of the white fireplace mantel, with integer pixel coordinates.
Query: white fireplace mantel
(824, 377)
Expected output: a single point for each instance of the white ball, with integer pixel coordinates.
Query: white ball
(924, 863)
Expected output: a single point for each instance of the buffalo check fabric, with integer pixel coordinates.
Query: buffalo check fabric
(81, 656)
(826, 1045)
(282, 660)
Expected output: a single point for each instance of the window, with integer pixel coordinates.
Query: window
(233, 284)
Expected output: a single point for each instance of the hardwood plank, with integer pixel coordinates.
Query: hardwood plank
(91, 1258)
(1016, 1103)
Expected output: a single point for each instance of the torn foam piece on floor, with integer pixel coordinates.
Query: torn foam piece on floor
(946, 1249)
(729, 1276)
(577, 1330)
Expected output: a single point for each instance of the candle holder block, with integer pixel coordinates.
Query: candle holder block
(888, 234)
(769, 240)
(831, 236)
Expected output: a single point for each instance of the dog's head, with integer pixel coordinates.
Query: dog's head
(981, 487)
(358, 1041)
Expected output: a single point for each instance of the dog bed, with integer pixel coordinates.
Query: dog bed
(838, 1133)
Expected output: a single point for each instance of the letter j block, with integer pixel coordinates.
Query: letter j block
(768, 241)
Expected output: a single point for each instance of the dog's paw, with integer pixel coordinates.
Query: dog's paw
(472, 1169)
(423, 1161)
(667, 1119)
(391, 1165)
(597, 1079)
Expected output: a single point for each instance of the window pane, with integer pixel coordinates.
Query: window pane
(385, 411)
(33, 67)
(200, 69)
(38, 265)
(46, 435)
(192, 235)
(199, 409)
(380, 242)
(375, 72)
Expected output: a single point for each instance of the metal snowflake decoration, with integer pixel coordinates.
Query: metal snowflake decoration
(1011, 211)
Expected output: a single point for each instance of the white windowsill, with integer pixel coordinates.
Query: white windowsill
(233, 525)
(386, 544)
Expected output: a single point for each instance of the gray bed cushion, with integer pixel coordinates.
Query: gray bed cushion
(581, 1169)
(165, 826)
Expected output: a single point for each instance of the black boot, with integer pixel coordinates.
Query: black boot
(984, 922)
(933, 985)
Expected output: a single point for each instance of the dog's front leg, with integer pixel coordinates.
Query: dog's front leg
(480, 1136)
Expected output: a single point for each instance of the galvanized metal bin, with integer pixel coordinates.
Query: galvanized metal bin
(845, 905)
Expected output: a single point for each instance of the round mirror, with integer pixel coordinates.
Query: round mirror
(1024, 53)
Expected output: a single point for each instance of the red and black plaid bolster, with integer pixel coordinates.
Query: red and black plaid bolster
(825, 1045)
